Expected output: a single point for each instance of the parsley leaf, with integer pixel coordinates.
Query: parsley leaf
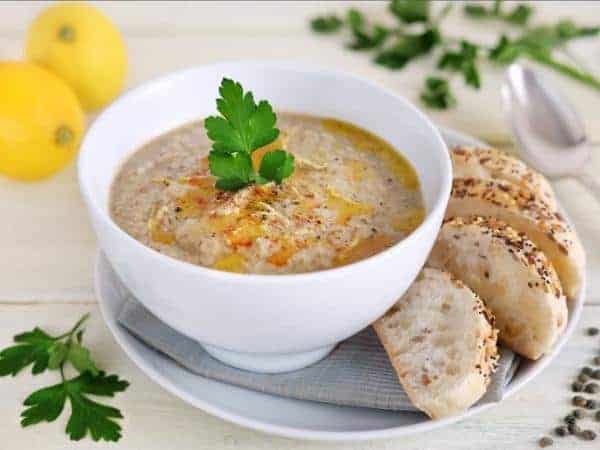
(44, 405)
(48, 352)
(476, 11)
(518, 16)
(277, 165)
(32, 348)
(410, 11)
(364, 39)
(57, 354)
(408, 47)
(463, 61)
(354, 18)
(537, 44)
(436, 93)
(86, 415)
(244, 125)
(505, 51)
(546, 37)
(326, 24)
(242, 128)
(232, 169)
(80, 358)
(416, 33)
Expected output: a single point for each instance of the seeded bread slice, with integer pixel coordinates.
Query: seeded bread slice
(441, 343)
(511, 275)
(492, 164)
(521, 209)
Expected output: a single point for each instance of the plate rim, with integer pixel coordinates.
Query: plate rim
(332, 436)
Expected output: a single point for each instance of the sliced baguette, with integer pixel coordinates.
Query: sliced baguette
(441, 343)
(521, 209)
(492, 164)
(511, 275)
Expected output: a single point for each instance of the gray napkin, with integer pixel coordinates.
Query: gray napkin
(356, 373)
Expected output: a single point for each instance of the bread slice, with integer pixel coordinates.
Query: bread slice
(511, 275)
(492, 164)
(441, 342)
(521, 209)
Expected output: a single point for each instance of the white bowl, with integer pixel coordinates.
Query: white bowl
(267, 323)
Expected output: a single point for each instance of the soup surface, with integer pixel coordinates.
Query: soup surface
(351, 196)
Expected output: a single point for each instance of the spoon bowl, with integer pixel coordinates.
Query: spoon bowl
(548, 130)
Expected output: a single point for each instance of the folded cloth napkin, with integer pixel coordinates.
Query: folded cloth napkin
(356, 373)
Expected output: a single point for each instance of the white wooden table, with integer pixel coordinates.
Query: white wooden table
(48, 248)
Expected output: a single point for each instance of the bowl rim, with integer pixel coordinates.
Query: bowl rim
(440, 202)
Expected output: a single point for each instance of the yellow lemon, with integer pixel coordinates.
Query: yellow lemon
(41, 121)
(82, 46)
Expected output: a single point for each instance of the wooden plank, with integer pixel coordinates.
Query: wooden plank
(154, 419)
(184, 17)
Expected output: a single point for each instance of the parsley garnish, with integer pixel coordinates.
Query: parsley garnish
(365, 37)
(48, 352)
(408, 47)
(436, 93)
(242, 128)
(410, 11)
(327, 24)
(519, 15)
(418, 33)
(463, 61)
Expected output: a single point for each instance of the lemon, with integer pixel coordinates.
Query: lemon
(41, 121)
(82, 46)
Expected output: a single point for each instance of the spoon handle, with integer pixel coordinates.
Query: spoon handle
(590, 181)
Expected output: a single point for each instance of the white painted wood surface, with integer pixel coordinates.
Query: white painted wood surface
(48, 247)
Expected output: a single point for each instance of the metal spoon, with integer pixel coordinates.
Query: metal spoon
(549, 132)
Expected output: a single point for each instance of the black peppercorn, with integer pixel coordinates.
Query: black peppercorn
(592, 388)
(561, 431)
(593, 331)
(577, 386)
(578, 400)
(588, 435)
(545, 442)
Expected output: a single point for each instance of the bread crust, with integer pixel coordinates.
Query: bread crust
(493, 164)
(511, 275)
(443, 366)
(523, 211)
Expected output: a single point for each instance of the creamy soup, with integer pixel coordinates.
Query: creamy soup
(351, 196)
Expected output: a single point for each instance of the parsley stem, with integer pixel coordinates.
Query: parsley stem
(570, 71)
(75, 327)
(573, 58)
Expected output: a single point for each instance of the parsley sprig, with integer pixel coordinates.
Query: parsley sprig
(418, 32)
(43, 352)
(519, 15)
(243, 127)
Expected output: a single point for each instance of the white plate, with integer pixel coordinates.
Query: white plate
(283, 416)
